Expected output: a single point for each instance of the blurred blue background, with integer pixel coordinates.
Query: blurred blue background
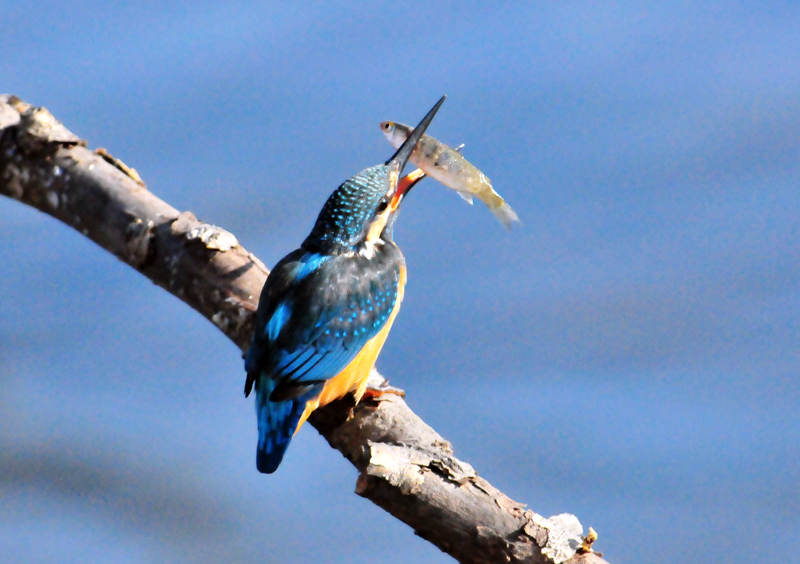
(630, 354)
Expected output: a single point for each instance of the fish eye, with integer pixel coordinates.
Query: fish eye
(383, 204)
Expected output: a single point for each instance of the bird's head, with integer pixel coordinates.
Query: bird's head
(362, 210)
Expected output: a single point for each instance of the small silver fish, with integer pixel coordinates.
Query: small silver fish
(447, 166)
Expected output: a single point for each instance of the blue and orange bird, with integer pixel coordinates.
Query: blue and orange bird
(326, 308)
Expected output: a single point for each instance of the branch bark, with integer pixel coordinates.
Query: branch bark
(404, 466)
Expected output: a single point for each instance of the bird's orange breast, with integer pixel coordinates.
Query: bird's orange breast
(353, 378)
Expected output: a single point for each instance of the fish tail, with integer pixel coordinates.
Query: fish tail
(498, 206)
(506, 215)
(277, 421)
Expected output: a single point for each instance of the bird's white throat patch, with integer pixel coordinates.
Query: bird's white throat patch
(370, 248)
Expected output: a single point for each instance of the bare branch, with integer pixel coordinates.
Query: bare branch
(404, 466)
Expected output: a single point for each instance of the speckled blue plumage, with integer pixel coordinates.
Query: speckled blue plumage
(347, 213)
(320, 305)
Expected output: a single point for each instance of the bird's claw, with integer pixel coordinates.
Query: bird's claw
(375, 393)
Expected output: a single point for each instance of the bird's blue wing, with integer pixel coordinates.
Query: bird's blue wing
(317, 316)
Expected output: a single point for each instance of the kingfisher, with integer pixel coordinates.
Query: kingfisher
(326, 308)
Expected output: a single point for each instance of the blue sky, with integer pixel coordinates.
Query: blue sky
(629, 354)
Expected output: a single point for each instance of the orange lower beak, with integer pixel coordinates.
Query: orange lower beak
(405, 184)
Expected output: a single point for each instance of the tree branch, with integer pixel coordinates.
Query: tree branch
(404, 466)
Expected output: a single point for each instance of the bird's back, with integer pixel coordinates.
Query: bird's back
(321, 322)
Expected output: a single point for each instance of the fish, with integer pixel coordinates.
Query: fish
(449, 167)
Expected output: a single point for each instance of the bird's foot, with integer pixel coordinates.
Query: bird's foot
(375, 393)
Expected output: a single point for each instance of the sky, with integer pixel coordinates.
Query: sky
(629, 353)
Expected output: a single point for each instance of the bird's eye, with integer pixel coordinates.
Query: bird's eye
(383, 204)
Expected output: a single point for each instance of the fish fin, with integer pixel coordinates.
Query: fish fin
(466, 196)
(506, 215)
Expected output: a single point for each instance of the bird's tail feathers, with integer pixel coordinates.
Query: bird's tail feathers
(277, 421)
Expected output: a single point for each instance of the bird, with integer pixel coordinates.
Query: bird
(326, 308)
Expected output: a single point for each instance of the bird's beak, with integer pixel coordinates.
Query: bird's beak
(400, 158)
(405, 184)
